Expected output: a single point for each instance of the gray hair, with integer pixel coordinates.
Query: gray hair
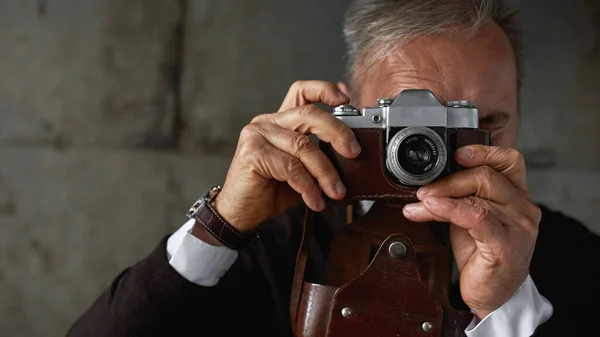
(373, 29)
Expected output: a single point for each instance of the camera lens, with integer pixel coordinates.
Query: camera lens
(416, 156)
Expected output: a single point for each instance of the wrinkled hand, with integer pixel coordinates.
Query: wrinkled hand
(494, 224)
(276, 164)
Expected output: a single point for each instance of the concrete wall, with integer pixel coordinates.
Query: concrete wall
(561, 106)
(116, 115)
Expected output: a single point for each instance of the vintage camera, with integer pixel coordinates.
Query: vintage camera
(407, 142)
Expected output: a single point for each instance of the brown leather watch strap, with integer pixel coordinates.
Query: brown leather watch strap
(228, 235)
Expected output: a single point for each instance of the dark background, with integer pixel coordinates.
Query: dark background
(116, 115)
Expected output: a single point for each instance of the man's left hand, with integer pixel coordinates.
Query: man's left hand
(494, 224)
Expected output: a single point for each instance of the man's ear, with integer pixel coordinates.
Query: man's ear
(344, 88)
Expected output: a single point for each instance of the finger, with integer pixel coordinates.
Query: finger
(309, 119)
(483, 226)
(507, 161)
(481, 181)
(509, 217)
(272, 163)
(417, 212)
(313, 159)
(307, 92)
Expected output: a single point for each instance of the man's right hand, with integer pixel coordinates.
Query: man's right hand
(276, 164)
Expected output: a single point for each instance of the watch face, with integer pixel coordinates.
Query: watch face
(206, 197)
(192, 212)
(210, 194)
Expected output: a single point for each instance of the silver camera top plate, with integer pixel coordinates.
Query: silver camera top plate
(412, 107)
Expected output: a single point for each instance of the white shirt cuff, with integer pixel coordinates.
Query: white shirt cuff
(518, 317)
(197, 261)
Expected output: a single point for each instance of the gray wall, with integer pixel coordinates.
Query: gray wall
(115, 115)
(561, 105)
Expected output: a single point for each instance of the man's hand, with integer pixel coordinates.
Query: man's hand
(276, 165)
(494, 224)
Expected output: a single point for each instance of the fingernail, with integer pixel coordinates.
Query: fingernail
(340, 188)
(411, 208)
(423, 191)
(464, 153)
(355, 147)
(432, 200)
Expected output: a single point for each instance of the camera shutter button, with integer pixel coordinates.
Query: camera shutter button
(383, 102)
(345, 110)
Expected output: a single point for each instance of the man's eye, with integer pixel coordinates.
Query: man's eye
(488, 125)
(494, 121)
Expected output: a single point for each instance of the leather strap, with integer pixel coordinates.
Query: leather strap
(228, 235)
(458, 319)
(299, 272)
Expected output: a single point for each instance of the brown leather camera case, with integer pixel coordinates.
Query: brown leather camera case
(365, 177)
(370, 289)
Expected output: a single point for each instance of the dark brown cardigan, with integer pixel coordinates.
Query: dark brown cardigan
(151, 299)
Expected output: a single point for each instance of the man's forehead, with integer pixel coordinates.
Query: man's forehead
(445, 89)
(453, 68)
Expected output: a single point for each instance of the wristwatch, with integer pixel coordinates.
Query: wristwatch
(206, 215)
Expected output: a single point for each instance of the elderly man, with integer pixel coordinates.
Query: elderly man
(523, 268)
